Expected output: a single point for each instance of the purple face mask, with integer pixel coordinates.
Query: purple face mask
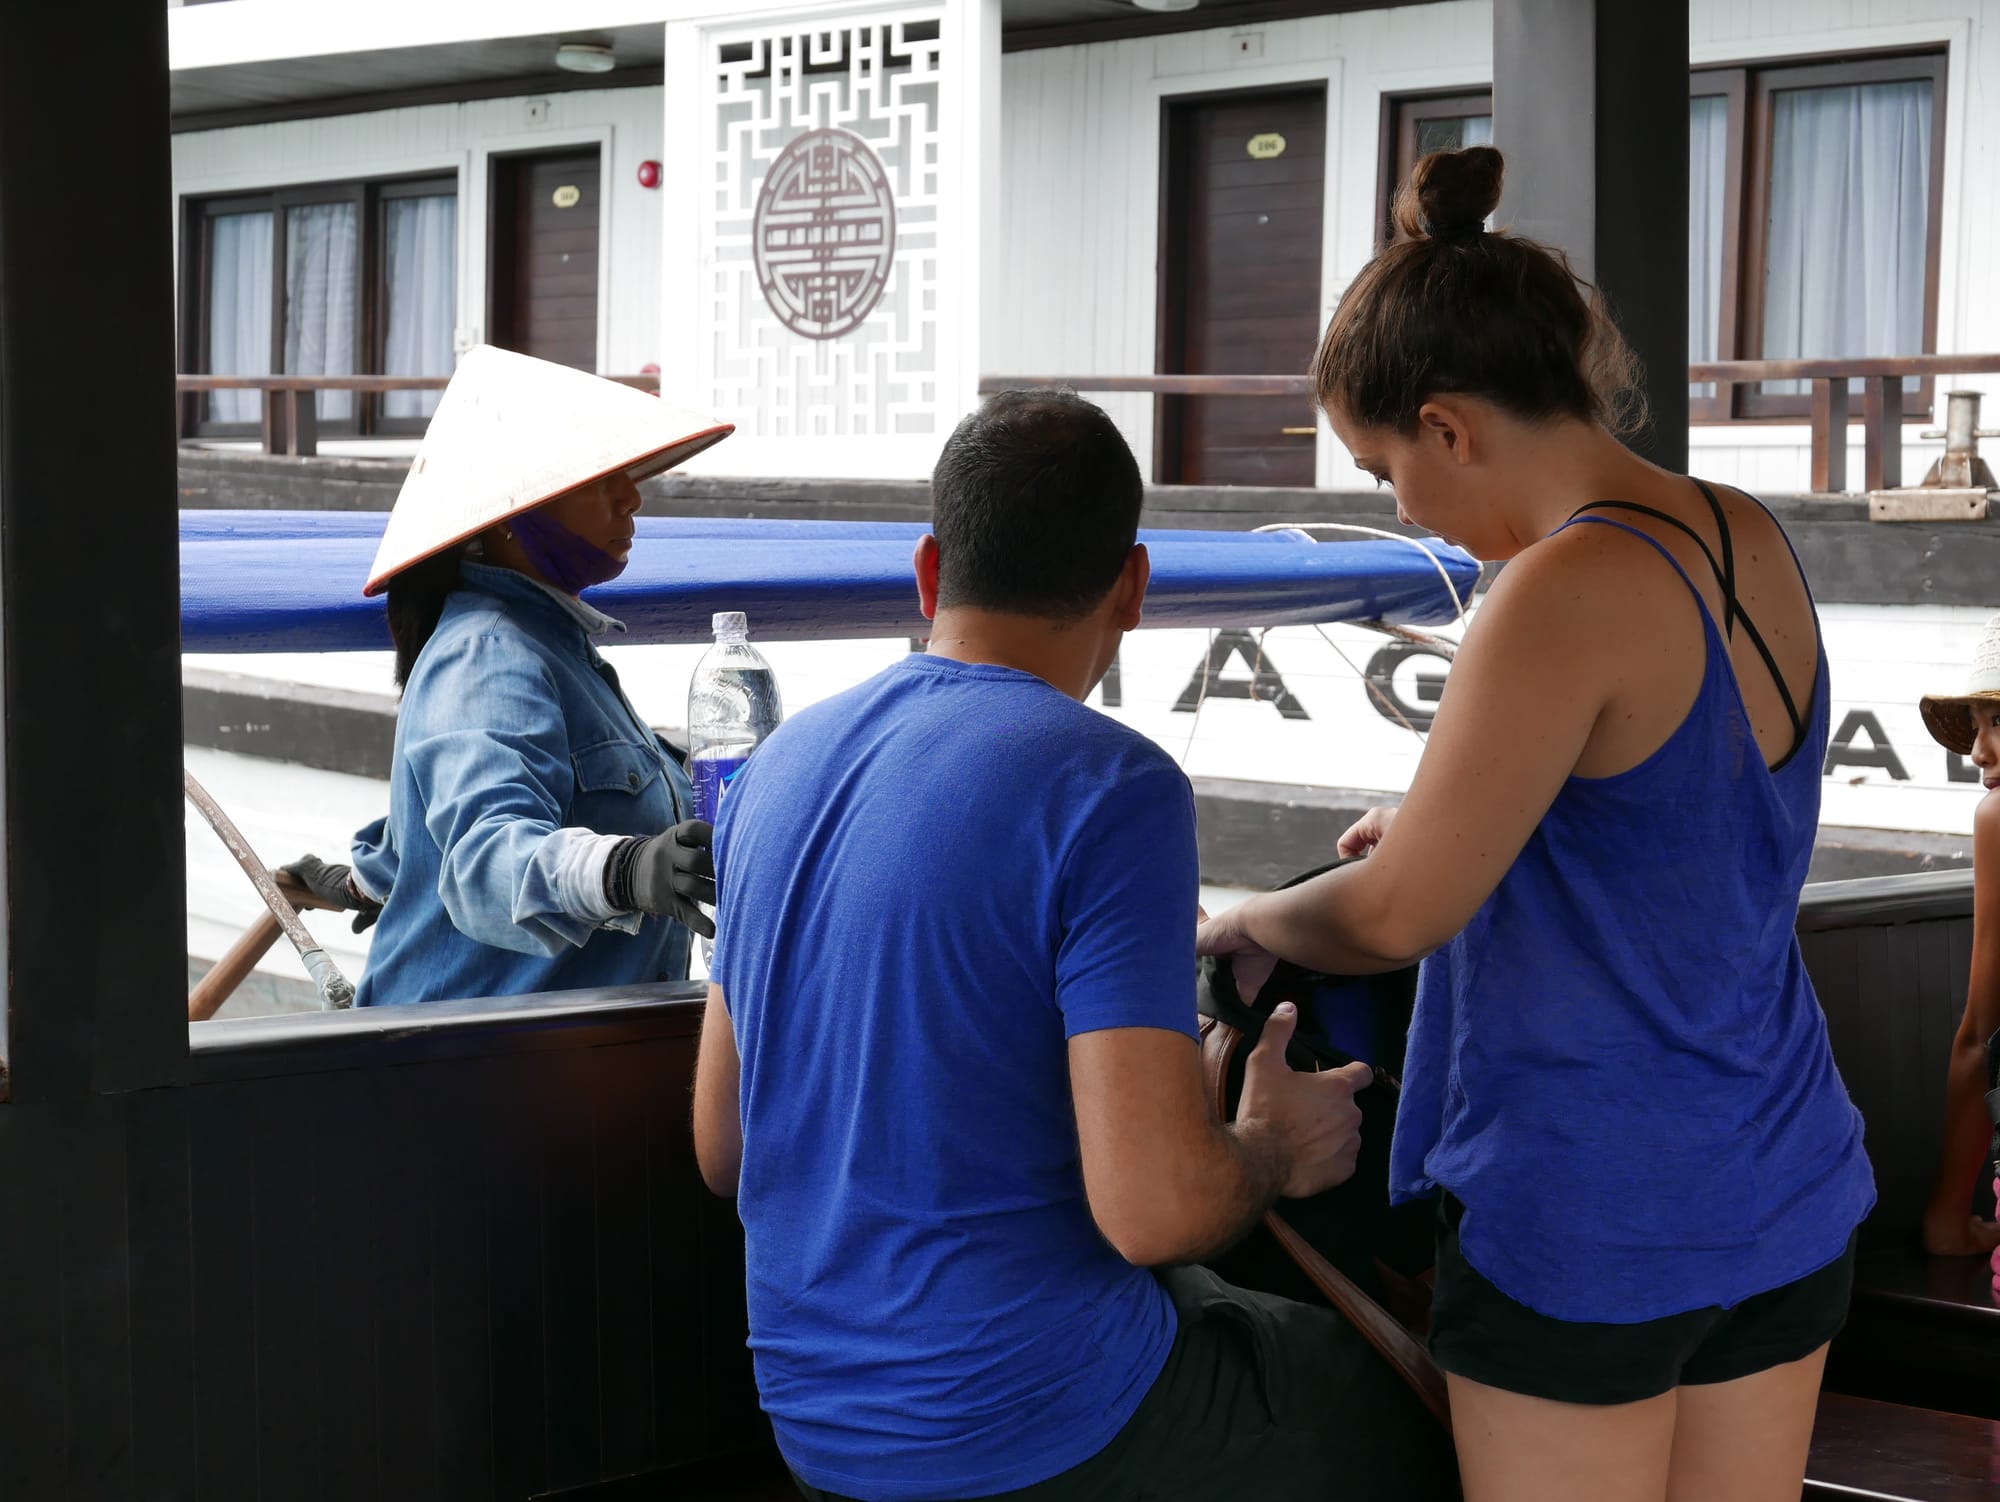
(562, 558)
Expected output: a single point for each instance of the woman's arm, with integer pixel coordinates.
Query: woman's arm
(489, 751)
(1950, 1229)
(1553, 639)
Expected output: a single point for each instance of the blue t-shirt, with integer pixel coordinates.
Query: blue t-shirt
(928, 884)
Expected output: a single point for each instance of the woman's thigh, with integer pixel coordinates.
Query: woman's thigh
(1746, 1440)
(1514, 1448)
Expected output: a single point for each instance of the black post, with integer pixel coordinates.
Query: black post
(89, 588)
(1590, 104)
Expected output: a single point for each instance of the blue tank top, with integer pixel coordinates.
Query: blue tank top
(1619, 1067)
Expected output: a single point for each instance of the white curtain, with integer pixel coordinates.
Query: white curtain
(320, 246)
(1478, 131)
(239, 310)
(421, 254)
(1708, 173)
(1850, 197)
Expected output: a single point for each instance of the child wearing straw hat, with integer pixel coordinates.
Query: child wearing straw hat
(1969, 724)
(538, 835)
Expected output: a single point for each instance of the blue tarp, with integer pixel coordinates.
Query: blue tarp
(290, 581)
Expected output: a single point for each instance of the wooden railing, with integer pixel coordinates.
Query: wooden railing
(290, 424)
(1161, 385)
(290, 420)
(1881, 408)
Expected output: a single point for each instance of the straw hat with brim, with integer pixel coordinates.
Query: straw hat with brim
(512, 432)
(1949, 716)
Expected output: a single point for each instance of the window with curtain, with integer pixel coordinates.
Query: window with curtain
(330, 279)
(1848, 225)
(321, 295)
(1452, 133)
(420, 291)
(239, 309)
(1708, 181)
(1812, 212)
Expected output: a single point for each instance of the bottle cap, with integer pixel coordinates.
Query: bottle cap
(730, 623)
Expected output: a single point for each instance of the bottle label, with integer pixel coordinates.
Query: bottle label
(711, 776)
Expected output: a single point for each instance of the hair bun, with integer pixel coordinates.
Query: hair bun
(1450, 193)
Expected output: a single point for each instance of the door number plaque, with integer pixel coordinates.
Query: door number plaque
(568, 196)
(1270, 144)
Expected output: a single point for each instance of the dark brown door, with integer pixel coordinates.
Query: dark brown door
(542, 283)
(1240, 282)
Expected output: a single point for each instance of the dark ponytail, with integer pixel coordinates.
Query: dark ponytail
(416, 600)
(1451, 308)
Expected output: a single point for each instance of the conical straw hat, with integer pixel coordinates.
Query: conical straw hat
(512, 432)
(1949, 716)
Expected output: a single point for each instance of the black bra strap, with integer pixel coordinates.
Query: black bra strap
(1732, 610)
(1725, 577)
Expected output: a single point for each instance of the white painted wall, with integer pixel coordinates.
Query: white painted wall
(1075, 292)
(626, 124)
(1068, 281)
(247, 31)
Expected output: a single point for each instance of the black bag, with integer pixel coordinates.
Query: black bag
(1348, 1247)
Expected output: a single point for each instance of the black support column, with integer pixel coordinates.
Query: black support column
(89, 593)
(1590, 105)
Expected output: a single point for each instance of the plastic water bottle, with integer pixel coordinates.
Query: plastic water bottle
(732, 706)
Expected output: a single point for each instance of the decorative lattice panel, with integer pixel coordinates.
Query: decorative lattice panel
(819, 226)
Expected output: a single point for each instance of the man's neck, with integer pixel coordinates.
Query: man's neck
(1063, 654)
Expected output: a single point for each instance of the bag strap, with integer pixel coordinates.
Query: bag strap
(1220, 1042)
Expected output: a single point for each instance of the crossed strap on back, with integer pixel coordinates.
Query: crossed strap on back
(1406, 1355)
(1725, 578)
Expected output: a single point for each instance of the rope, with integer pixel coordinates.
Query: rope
(1443, 646)
(1308, 528)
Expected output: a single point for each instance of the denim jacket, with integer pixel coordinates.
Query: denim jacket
(519, 764)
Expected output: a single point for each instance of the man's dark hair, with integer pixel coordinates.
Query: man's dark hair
(1035, 505)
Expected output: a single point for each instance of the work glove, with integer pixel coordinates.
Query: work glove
(334, 885)
(667, 874)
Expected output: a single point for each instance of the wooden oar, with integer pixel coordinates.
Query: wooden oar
(229, 972)
(216, 987)
(335, 992)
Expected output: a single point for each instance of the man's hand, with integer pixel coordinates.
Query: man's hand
(668, 874)
(1312, 1118)
(1950, 1232)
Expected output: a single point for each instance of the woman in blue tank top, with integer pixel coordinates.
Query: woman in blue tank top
(1618, 1081)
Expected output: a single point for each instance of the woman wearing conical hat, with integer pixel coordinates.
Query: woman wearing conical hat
(538, 835)
(1969, 724)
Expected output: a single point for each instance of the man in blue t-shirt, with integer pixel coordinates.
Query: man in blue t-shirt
(949, 1066)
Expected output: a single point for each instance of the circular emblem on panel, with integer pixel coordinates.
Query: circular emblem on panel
(824, 235)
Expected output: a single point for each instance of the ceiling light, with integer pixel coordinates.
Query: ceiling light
(585, 57)
(1166, 4)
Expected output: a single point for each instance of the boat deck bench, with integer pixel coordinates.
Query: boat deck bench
(1862, 1448)
(1922, 1330)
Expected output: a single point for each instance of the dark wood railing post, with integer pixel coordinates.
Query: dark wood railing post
(1829, 436)
(302, 428)
(275, 412)
(1882, 432)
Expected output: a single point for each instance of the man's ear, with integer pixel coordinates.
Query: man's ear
(1129, 594)
(926, 564)
(1446, 423)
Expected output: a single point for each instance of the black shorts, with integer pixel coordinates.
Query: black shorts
(1478, 1333)
(1260, 1397)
